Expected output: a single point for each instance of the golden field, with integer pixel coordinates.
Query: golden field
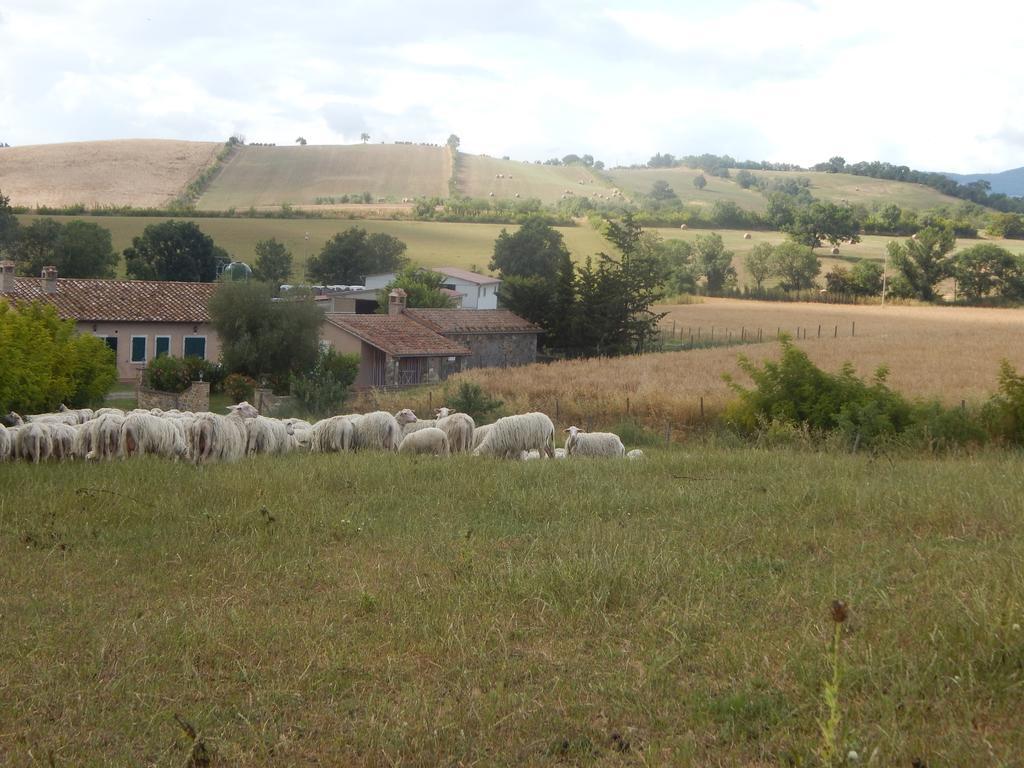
(948, 353)
(133, 172)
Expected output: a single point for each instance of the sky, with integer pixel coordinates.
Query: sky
(784, 80)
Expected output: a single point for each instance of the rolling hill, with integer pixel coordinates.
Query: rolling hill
(142, 173)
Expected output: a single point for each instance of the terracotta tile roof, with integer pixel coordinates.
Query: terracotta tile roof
(472, 321)
(398, 335)
(465, 274)
(137, 301)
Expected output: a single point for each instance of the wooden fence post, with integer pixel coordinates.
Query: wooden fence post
(668, 434)
(702, 408)
(853, 329)
(819, 330)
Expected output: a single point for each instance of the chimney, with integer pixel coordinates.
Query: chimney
(6, 276)
(396, 301)
(49, 279)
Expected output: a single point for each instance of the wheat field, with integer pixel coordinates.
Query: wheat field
(133, 172)
(946, 353)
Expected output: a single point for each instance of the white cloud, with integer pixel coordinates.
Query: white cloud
(909, 82)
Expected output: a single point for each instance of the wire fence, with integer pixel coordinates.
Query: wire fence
(685, 337)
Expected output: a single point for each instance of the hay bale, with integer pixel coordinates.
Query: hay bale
(746, 236)
(835, 250)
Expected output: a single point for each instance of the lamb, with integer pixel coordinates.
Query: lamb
(459, 427)
(431, 440)
(144, 433)
(34, 443)
(598, 444)
(213, 437)
(377, 430)
(635, 454)
(331, 435)
(510, 435)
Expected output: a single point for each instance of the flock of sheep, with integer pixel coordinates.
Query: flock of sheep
(110, 433)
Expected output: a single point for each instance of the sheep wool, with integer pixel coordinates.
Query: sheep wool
(459, 427)
(431, 440)
(331, 435)
(377, 430)
(595, 444)
(144, 433)
(213, 437)
(509, 436)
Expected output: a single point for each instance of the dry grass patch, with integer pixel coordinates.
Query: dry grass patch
(949, 353)
(134, 172)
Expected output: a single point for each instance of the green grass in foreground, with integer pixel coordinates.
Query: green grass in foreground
(369, 610)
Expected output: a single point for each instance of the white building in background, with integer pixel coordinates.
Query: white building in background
(476, 291)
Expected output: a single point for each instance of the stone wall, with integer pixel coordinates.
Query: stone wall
(195, 398)
(498, 350)
(267, 403)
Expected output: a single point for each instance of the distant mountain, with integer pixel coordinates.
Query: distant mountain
(1008, 182)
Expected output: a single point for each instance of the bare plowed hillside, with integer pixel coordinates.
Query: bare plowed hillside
(137, 172)
(259, 176)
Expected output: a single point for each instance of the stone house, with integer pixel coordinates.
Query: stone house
(416, 346)
(138, 319)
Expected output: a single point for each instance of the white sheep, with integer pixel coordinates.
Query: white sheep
(63, 439)
(509, 436)
(213, 437)
(377, 430)
(5, 443)
(34, 443)
(459, 427)
(104, 440)
(331, 435)
(69, 417)
(431, 440)
(409, 423)
(635, 454)
(266, 435)
(108, 411)
(598, 444)
(144, 433)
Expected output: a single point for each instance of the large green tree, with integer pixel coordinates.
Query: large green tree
(536, 249)
(174, 250)
(85, 249)
(987, 269)
(795, 266)
(36, 245)
(422, 288)
(9, 228)
(822, 221)
(262, 337)
(759, 263)
(351, 255)
(923, 261)
(712, 262)
(273, 263)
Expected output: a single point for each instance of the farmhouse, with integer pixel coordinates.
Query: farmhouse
(138, 319)
(415, 346)
(470, 289)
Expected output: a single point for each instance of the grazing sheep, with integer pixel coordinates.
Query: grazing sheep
(601, 444)
(331, 435)
(105, 439)
(244, 409)
(265, 435)
(530, 455)
(63, 439)
(559, 453)
(84, 414)
(430, 440)
(213, 437)
(108, 411)
(459, 427)
(12, 419)
(69, 417)
(34, 443)
(480, 433)
(144, 433)
(5, 443)
(636, 453)
(377, 430)
(511, 435)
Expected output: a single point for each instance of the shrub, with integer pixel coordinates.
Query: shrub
(44, 363)
(322, 391)
(470, 398)
(201, 369)
(239, 387)
(167, 374)
(1003, 414)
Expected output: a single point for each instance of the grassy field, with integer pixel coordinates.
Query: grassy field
(836, 187)
(138, 172)
(261, 176)
(478, 177)
(947, 353)
(312, 610)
